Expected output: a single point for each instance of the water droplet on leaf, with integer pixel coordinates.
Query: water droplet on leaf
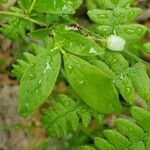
(70, 68)
(48, 67)
(115, 60)
(92, 51)
(128, 90)
(31, 76)
(80, 81)
(102, 16)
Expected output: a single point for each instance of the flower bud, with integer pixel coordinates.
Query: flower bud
(115, 43)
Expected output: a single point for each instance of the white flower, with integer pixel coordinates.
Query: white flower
(115, 43)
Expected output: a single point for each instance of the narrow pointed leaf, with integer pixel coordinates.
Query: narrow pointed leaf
(84, 77)
(140, 80)
(103, 67)
(77, 43)
(116, 139)
(142, 116)
(137, 146)
(130, 129)
(38, 81)
(131, 31)
(116, 62)
(102, 144)
(125, 87)
(103, 17)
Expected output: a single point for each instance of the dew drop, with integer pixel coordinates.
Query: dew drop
(121, 76)
(48, 67)
(36, 91)
(65, 8)
(31, 76)
(139, 31)
(71, 28)
(102, 16)
(52, 50)
(71, 45)
(80, 81)
(131, 14)
(92, 51)
(115, 60)
(70, 68)
(128, 90)
(40, 81)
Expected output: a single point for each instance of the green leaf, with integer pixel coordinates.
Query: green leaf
(147, 47)
(16, 28)
(105, 30)
(137, 146)
(54, 7)
(40, 33)
(17, 71)
(102, 144)
(125, 87)
(91, 4)
(25, 4)
(131, 31)
(142, 116)
(65, 112)
(77, 43)
(117, 16)
(92, 85)
(116, 139)
(38, 81)
(85, 114)
(116, 62)
(102, 17)
(140, 80)
(111, 4)
(103, 67)
(125, 15)
(130, 129)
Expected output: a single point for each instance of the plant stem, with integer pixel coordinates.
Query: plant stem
(23, 17)
(83, 29)
(32, 6)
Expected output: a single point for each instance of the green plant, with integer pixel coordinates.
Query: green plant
(103, 79)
